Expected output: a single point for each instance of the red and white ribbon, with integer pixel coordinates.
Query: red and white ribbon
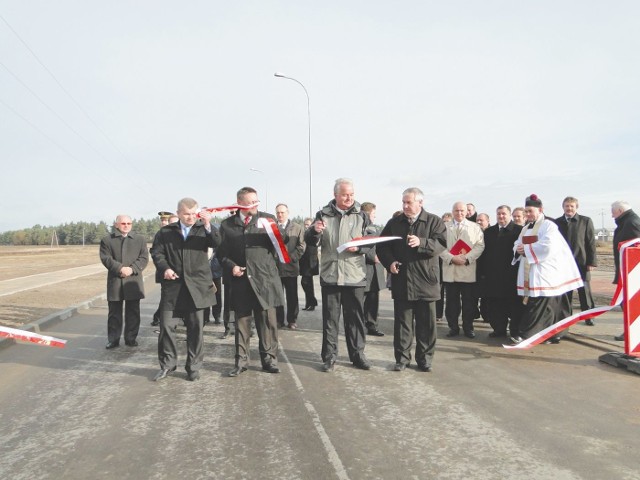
(549, 332)
(225, 208)
(36, 338)
(274, 235)
(360, 241)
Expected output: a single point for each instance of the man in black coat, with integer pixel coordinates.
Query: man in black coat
(580, 235)
(497, 276)
(309, 268)
(125, 256)
(180, 252)
(375, 277)
(250, 258)
(627, 228)
(415, 283)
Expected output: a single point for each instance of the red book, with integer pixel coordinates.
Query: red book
(460, 247)
(528, 239)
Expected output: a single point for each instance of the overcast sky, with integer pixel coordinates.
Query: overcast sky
(111, 107)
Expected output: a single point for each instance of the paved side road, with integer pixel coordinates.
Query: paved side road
(85, 412)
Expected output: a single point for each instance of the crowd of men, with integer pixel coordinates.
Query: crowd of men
(518, 274)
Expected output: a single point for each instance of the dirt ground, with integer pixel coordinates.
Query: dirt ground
(31, 305)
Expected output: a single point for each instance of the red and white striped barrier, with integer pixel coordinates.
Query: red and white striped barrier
(631, 266)
(16, 334)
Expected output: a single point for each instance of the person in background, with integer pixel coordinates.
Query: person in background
(375, 277)
(580, 234)
(293, 233)
(125, 256)
(446, 217)
(308, 269)
(165, 219)
(484, 221)
(518, 215)
(627, 228)
(471, 213)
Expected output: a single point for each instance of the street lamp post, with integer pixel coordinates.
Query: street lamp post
(266, 189)
(281, 75)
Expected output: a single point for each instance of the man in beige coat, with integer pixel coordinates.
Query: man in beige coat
(465, 244)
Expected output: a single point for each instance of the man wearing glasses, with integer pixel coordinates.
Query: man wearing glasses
(125, 255)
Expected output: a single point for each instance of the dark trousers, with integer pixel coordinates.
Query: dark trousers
(503, 312)
(217, 308)
(540, 313)
(309, 293)
(460, 297)
(267, 329)
(226, 308)
(440, 303)
(131, 320)
(167, 347)
(586, 300)
(349, 301)
(371, 305)
(290, 287)
(425, 331)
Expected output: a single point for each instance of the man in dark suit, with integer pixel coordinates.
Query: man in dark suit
(125, 256)
(165, 219)
(289, 271)
(249, 256)
(580, 234)
(414, 265)
(497, 276)
(180, 252)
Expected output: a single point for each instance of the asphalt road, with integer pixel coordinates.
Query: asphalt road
(553, 412)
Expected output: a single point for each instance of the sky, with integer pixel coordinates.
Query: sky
(127, 107)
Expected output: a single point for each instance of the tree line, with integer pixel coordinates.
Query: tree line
(82, 233)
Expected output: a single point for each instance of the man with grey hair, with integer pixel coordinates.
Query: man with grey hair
(125, 256)
(414, 265)
(627, 228)
(343, 275)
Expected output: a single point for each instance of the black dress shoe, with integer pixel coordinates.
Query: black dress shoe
(329, 366)
(155, 322)
(619, 338)
(311, 308)
(362, 363)
(374, 332)
(111, 345)
(163, 373)
(552, 341)
(424, 368)
(453, 333)
(399, 367)
(132, 344)
(589, 323)
(470, 334)
(269, 368)
(193, 376)
(237, 371)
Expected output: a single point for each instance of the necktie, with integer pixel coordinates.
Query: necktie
(185, 232)
(247, 219)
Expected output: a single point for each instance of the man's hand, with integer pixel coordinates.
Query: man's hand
(459, 259)
(319, 226)
(413, 241)
(126, 272)
(170, 274)
(238, 271)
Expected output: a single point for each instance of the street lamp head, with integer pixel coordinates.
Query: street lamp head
(278, 74)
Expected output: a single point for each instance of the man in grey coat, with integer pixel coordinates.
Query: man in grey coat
(125, 256)
(414, 265)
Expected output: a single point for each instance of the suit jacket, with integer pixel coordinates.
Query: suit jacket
(189, 259)
(115, 253)
(581, 237)
(496, 274)
(472, 235)
(419, 276)
(294, 233)
(251, 248)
